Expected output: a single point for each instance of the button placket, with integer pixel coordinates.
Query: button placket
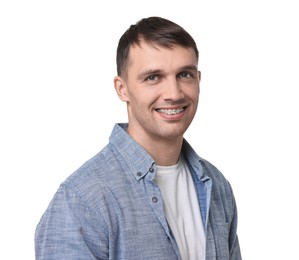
(154, 198)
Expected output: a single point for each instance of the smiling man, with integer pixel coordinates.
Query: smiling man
(161, 88)
(147, 194)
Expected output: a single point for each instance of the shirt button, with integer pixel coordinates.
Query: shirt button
(154, 199)
(151, 169)
(139, 174)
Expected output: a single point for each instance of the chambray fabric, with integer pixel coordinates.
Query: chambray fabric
(111, 208)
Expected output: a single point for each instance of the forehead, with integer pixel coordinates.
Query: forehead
(149, 54)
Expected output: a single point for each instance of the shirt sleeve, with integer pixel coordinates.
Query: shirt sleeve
(69, 229)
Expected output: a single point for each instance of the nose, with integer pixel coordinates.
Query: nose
(172, 90)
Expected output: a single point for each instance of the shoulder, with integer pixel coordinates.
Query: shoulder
(97, 175)
(211, 170)
(222, 196)
(218, 178)
(204, 168)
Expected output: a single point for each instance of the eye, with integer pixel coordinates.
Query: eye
(185, 74)
(151, 77)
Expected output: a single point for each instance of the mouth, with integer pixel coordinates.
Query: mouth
(171, 111)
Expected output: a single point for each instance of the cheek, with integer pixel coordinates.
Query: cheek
(137, 104)
(135, 99)
(192, 93)
(143, 98)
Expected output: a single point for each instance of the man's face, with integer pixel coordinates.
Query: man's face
(161, 90)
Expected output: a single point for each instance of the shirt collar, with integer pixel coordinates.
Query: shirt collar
(135, 157)
(194, 160)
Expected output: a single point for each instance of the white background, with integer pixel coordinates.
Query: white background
(58, 106)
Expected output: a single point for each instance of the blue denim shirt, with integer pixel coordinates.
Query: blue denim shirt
(111, 208)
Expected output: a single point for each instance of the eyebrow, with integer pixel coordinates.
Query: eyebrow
(147, 72)
(189, 67)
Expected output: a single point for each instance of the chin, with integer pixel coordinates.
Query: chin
(174, 132)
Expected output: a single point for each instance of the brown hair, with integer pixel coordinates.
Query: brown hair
(152, 30)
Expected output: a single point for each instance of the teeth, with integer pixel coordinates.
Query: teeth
(171, 111)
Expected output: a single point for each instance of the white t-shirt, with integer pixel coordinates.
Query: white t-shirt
(182, 209)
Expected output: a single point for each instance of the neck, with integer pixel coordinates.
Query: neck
(166, 153)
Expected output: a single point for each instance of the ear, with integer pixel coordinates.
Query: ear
(121, 88)
(199, 79)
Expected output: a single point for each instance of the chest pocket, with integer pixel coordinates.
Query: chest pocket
(217, 245)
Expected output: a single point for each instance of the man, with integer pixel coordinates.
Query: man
(147, 194)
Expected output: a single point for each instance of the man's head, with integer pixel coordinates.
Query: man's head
(158, 78)
(154, 31)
